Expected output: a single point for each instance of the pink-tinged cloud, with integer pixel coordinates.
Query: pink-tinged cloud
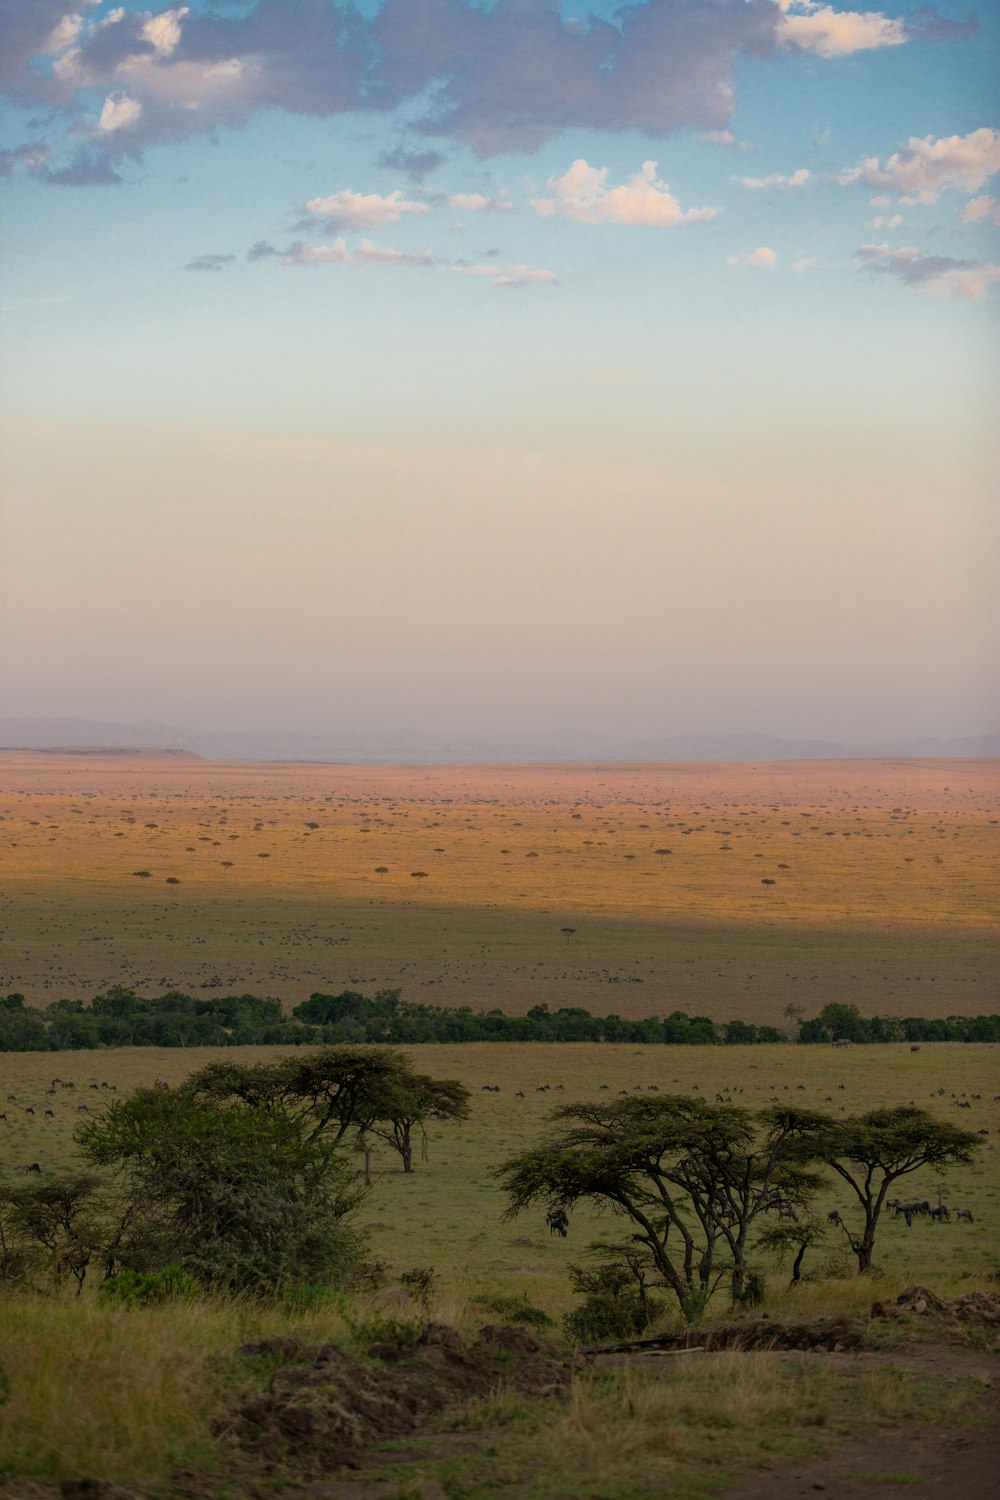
(982, 210)
(927, 167)
(810, 26)
(582, 193)
(764, 258)
(350, 210)
(939, 274)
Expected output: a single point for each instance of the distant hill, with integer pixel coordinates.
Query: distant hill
(93, 737)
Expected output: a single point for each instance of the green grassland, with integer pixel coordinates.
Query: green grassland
(130, 1394)
(728, 891)
(447, 1213)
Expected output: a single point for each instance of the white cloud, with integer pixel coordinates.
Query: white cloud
(982, 210)
(118, 114)
(366, 254)
(893, 222)
(940, 275)
(805, 263)
(811, 26)
(763, 256)
(778, 180)
(926, 167)
(582, 193)
(349, 210)
(164, 31)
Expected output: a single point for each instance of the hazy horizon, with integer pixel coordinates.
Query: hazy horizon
(501, 370)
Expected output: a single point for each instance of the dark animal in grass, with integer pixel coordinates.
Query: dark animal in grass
(558, 1221)
(964, 1215)
(33, 1167)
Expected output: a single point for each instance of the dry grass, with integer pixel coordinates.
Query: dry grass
(884, 888)
(124, 1394)
(687, 1427)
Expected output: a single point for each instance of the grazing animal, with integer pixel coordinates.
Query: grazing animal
(834, 1217)
(33, 1167)
(940, 1213)
(558, 1221)
(964, 1215)
(29, 1110)
(914, 1049)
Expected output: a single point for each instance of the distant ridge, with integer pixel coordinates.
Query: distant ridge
(91, 737)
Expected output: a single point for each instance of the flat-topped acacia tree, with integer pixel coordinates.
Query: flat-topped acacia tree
(872, 1151)
(692, 1178)
(341, 1091)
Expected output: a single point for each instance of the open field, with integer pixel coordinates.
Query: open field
(131, 1394)
(447, 1213)
(718, 889)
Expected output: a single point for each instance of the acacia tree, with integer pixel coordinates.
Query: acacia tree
(872, 1151)
(692, 1178)
(342, 1091)
(61, 1221)
(411, 1103)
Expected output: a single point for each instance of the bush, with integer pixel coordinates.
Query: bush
(616, 1306)
(515, 1310)
(140, 1288)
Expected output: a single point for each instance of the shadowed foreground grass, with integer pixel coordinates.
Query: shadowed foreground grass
(129, 1396)
(640, 1433)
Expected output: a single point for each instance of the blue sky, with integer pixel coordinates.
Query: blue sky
(485, 366)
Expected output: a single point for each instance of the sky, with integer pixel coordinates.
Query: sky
(501, 368)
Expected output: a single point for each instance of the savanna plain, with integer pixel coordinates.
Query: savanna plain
(755, 892)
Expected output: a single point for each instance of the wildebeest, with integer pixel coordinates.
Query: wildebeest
(964, 1215)
(558, 1221)
(33, 1167)
(940, 1213)
(914, 1049)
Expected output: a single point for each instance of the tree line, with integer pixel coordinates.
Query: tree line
(121, 1018)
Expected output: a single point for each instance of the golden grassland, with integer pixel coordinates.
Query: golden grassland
(727, 890)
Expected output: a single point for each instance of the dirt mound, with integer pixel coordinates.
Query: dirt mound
(978, 1309)
(321, 1408)
(832, 1334)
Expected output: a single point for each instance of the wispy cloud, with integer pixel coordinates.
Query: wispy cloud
(926, 167)
(763, 257)
(582, 193)
(724, 138)
(510, 278)
(210, 262)
(939, 274)
(366, 254)
(477, 203)
(778, 180)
